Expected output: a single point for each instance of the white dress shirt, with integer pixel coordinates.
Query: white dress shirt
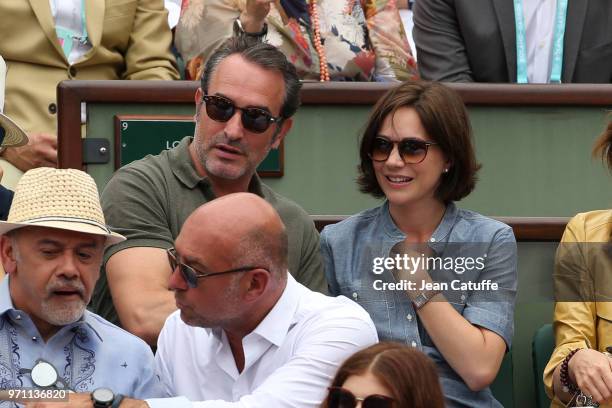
(290, 358)
(174, 12)
(539, 33)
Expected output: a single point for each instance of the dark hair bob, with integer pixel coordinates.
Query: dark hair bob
(444, 118)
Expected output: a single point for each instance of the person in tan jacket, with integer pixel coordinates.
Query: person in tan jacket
(47, 41)
(580, 367)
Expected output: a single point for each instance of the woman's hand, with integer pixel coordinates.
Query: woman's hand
(591, 371)
(411, 265)
(254, 16)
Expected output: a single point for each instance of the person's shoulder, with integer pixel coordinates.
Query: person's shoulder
(485, 227)
(146, 164)
(282, 203)
(322, 308)
(592, 225)
(150, 170)
(290, 212)
(354, 223)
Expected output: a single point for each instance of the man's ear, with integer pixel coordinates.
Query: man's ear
(198, 101)
(7, 254)
(256, 283)
(285, 127)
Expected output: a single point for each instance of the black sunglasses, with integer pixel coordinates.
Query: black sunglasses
(222, 109)
(412, 151)
(2, 134)
(342, 398)
(191, 275)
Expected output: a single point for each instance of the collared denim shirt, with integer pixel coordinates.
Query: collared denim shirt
(87, 354)
(350, 247)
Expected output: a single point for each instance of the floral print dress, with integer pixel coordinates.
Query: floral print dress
(363, 40)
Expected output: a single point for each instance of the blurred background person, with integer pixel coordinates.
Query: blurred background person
(325, 39)
(405, 9)
(579, 366)
(10, 135)
(47, 41)
(524, 41)
(386, 375)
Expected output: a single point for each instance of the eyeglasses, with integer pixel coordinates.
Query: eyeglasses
(222, 109)
(45, 375)
(342, 398)
(191, 275)
(412, 151)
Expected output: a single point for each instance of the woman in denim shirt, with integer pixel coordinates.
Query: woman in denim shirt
(431, 275)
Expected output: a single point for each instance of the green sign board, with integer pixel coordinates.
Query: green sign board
(139, 135)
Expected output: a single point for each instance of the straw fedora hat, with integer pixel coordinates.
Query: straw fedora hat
(10, 133)
(58, 198)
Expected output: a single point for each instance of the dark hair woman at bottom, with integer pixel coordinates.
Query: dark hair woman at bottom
(386, 375)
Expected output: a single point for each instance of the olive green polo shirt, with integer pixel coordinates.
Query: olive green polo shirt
(148, 201)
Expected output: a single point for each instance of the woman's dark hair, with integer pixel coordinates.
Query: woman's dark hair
(408, 373)
(444, 118)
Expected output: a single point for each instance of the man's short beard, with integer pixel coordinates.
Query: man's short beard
(64, 313)
(213, 170)
(58, 311)
(229, 315)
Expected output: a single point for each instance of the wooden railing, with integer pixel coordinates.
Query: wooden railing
(70, 95)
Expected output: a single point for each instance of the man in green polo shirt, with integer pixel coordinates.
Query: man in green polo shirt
(248, 94)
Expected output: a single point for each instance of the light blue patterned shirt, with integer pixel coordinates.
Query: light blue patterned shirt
(87, 354)
(349, 251)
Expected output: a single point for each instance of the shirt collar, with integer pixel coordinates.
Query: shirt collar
(6, 303)
(183, 168)
(86, 322)
(446, 225)
(441, 232)
(277, 323)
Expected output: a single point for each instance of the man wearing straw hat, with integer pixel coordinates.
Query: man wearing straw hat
(51, 249)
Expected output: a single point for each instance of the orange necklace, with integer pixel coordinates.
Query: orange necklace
(314, 16)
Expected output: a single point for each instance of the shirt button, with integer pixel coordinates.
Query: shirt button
(72, 71)
(409, 317)
(18, 317)
(34, 338)
(413, 344)
(463, 297)
(355, 295)
(52, 108)
(432, 239)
